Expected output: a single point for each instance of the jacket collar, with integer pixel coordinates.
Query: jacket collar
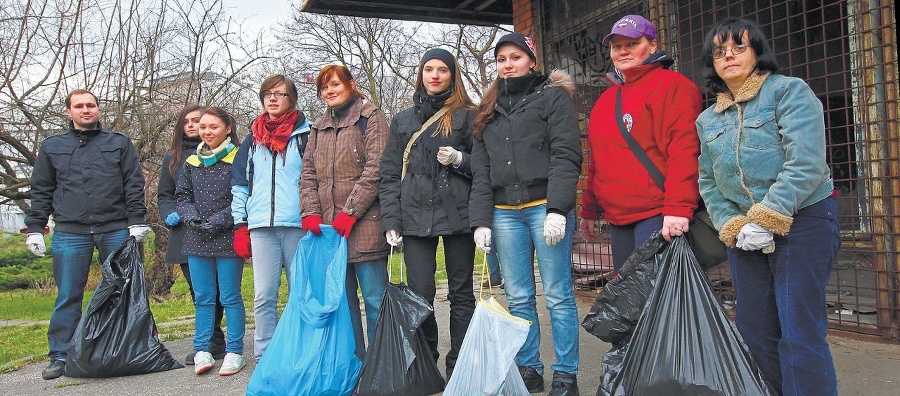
(751, 87)
(350, 118)
(655, 61)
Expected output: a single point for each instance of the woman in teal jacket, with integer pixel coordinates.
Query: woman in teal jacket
(767, 186)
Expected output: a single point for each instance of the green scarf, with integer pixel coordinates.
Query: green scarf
(209, 157)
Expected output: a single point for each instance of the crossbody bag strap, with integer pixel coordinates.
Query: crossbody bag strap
(415, 136)
(636, 148)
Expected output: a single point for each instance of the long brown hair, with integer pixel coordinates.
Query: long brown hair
(178, 136)
(342, 73)
(485, 112)
(459, 99)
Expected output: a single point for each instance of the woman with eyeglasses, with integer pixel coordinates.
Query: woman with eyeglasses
(768, 189)
(266, 205)
(340, 187)
(656, 108)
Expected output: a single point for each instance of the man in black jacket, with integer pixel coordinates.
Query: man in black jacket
(90, 180)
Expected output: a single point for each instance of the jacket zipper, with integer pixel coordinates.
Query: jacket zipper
(272, 212)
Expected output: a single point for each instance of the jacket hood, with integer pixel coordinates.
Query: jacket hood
(660, 57)
(559, 78)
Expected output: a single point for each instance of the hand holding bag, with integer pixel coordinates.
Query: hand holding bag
(702, 235)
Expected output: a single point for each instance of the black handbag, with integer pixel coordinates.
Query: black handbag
(702, 235)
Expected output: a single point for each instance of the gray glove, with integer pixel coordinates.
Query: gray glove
(754, 237)
(393, 238)
(138, 231)
(35, 243)
(554, 228)
(447, 155)
(483, 239)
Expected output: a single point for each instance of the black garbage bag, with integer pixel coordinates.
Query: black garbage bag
(399, 361)
(617, 309)
(684, 343)
(117, 335)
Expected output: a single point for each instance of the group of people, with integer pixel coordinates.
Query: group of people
(500, 176)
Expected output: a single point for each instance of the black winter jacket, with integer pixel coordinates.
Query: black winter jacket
(416, 206)
(529, 153)
(165, 197)
(204, 193)
(90, 181)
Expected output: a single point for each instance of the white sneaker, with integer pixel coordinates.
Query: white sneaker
(203, 361)
(232, 364)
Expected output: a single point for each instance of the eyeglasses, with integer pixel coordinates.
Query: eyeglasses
(279, 95)
(719, 53)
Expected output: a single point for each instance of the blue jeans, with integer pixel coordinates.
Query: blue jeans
(273, 248)
(222, 275)
(371, 278)
(516, 233)
(72, 255)
(493, 264)
(781, 311)
(625, 239)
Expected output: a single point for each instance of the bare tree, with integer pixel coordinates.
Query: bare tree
(373, 49)
(145, 60)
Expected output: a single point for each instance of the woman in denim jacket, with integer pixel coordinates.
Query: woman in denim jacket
(767, 186)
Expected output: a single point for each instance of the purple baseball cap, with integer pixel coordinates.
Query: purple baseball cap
(633, 26)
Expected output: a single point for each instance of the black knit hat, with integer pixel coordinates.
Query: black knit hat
(520, 40)
(442, 55)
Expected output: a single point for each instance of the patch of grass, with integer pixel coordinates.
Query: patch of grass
(18, 342)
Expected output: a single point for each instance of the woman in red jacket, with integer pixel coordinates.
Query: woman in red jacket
(658, 110)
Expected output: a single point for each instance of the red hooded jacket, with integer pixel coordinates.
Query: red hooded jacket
(660, 107)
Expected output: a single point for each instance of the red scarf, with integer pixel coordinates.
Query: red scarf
(274, 134)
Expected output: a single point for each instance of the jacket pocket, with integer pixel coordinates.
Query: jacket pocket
(368, 237)
(760, 131)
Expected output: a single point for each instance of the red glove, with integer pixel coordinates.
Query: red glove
(242, 241)
(311, 223)
(343, 224)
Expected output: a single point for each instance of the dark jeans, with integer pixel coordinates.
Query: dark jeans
(72, 254)
(421, 264)
(626, 238)
(781, 310)
(218, 337)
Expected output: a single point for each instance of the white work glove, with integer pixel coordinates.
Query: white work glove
(138, 231)
(35, 243)
(754, 237)
(554, 228)
(393, 238)
(448, 155)
(483, 239)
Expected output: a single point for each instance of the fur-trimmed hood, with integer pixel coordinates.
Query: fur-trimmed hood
(559, 78)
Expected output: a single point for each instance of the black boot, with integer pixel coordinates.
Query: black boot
(564, 384)
(533, 381)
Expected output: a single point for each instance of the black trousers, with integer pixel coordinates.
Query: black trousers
(421, 264)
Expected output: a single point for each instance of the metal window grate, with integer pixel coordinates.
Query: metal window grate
(847, 52)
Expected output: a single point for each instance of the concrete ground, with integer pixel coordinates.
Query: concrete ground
(863, 368)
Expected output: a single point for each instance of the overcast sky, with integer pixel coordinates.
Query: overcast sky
(259, 14)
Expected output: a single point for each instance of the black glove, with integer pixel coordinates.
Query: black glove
(201, 225)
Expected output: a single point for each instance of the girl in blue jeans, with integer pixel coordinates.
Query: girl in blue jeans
(203, 197)
(526, 160)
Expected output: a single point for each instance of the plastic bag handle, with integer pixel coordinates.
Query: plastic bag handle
(390, 272)
(485, 271)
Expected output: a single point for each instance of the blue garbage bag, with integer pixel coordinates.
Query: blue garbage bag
(312, 350)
